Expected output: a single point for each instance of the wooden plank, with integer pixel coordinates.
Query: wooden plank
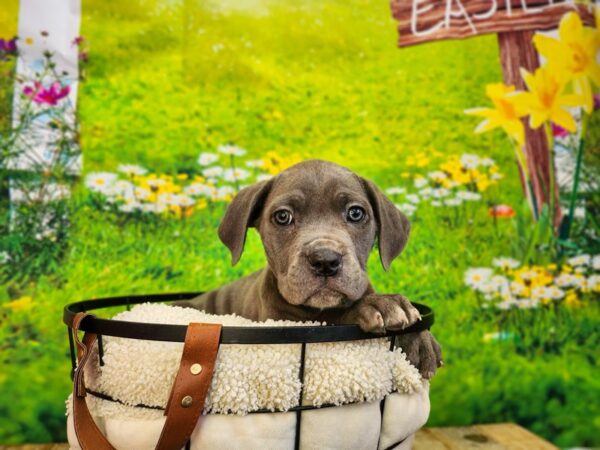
(504, 436)
(36, 447)
(440, 24)
(501, 436)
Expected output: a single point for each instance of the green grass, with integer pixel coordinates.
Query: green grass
(321, 79)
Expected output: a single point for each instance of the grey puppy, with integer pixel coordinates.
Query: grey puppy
(318, 222)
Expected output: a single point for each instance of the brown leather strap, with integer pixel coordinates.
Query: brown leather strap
(188, 394)
(86, 430)
(186, 401)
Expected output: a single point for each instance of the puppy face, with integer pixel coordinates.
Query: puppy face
(318, 223)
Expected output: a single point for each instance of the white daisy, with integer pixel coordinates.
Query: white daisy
(469, 161)
(487, 162)
(477, 277)
(540, 292)
(100, 181)
(131, 169)
(516, 288)
(413, 198)
(396, 190)
(505, 263)
(223, 192)
(468, 195)
(130, 207)
(198, 189)
(182, 200)
(436, 203)
(156, 208)
(567, 280)
(555, 293)
(440, 193)
(207, 158)
(496, 176)
(255, 163)
(420, 182)
(141, 193)
(580, 260)
(426, 192)
(507, 304)
(407, 208)
(156, 182)
(528, 303)
(437, 175)
(213, 172)
(596, 262)
(452, 202)
(232, 175)
(231, 150)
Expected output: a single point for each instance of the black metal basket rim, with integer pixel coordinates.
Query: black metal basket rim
(229, 334)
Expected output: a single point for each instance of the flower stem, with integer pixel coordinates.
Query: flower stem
(567, 228)
(551, 175)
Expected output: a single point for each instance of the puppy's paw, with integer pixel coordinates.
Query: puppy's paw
(423, 352)
(377, 312)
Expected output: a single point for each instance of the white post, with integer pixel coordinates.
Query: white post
(45, 26)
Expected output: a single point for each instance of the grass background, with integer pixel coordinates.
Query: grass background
(323, 79)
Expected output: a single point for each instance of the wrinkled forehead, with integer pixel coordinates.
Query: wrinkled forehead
(317, 185)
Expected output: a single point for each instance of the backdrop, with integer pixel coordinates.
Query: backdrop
(182, 103)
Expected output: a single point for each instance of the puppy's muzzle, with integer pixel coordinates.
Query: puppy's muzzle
(325, 262)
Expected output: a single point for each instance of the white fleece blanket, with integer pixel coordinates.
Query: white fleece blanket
(253, 377)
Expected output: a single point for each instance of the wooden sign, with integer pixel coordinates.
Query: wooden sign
(431, 20)
(515, 22)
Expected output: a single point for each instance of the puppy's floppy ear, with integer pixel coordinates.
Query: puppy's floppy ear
(241, 214)
(393, 226)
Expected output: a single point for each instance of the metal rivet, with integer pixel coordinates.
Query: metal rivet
(186, 401)
(196, 369)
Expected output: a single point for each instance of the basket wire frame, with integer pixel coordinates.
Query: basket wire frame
(174, 334)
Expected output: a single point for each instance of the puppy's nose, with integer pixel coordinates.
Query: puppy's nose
(325, 262)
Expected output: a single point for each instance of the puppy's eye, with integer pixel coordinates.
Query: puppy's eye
(283, 217)
(355, 214)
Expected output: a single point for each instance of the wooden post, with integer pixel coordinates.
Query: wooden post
(515, 22)
(516, 51)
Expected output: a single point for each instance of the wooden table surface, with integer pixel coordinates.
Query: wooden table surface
(501, 436)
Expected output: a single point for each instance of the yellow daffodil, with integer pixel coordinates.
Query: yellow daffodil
(20, 304)
(506, 114)
(545, 100)
(574, 55)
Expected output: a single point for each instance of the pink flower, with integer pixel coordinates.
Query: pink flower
(78, 40)
(48, 96)
(558, 131)
(596, 101)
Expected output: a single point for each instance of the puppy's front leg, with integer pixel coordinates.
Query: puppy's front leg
(376, 312)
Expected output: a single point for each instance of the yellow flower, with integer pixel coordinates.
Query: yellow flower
(545, 100)
(20, 304)
(574, 54)
(572, 300)
(506, 113)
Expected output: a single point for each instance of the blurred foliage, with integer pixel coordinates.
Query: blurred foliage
(321, 79)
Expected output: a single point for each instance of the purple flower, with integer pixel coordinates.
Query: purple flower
(596, 102)
(558, 131)
(8, 47)
(48, 96)
(78, 40)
